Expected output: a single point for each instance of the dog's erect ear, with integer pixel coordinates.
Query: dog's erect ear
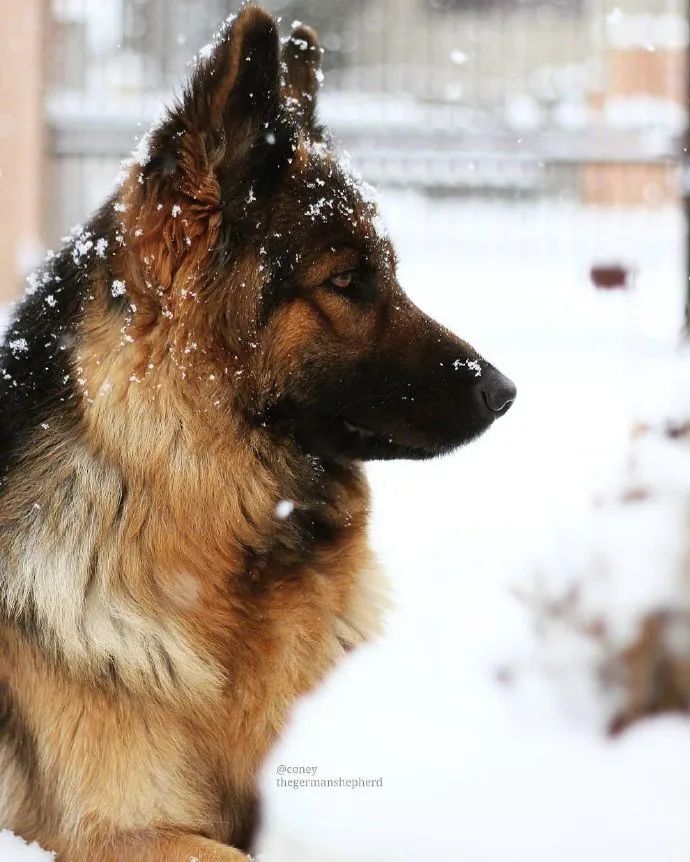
(240, 80)
(233, 93)
(224, 127)
(302, 73)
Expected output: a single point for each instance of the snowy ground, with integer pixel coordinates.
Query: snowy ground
(13, 849)
(484, 719)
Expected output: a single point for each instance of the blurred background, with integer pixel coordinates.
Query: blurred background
(581, 101)
(531, 157)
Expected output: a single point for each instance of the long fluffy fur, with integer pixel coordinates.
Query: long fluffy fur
(158, 619)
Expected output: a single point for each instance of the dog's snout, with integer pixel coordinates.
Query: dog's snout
(498, 391)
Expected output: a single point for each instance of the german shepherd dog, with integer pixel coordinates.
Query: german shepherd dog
(189, 390)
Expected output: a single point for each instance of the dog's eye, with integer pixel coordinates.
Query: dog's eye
(356, 285)
(342, 280)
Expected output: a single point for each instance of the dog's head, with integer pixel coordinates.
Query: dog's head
(264, 267)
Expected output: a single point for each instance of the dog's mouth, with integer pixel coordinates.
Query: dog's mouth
(362, 432)
(378, 431)
(367, 443)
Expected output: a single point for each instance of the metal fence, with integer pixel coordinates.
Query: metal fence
(449, 96)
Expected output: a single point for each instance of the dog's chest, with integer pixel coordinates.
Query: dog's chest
(297, 636)
(291, 636)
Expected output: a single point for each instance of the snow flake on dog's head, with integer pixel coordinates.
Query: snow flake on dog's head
(362, 199)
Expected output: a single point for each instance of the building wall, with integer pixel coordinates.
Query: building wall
(476, 55)
(21, 141)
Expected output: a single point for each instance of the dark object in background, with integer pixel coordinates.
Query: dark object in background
(611, 276)
(676, 430)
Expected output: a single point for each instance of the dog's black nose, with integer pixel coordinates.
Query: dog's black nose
(498, 391)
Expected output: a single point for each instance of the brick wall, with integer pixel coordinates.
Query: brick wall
(21, 141)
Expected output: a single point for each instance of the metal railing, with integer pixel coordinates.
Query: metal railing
(453, 97)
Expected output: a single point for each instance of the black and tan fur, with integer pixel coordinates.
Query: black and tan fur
(227, 333)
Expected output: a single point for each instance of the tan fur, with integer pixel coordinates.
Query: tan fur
(153, 754)
(167, 627)
(208, 673)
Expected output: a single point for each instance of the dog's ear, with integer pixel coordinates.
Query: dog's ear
(232, 97)
(237, 86)
(302, 73)
(219, 136)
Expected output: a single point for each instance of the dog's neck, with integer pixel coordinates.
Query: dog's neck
(164, 511)
(265, 502)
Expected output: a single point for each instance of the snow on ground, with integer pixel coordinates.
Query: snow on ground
(483, 711)
(13, 849)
